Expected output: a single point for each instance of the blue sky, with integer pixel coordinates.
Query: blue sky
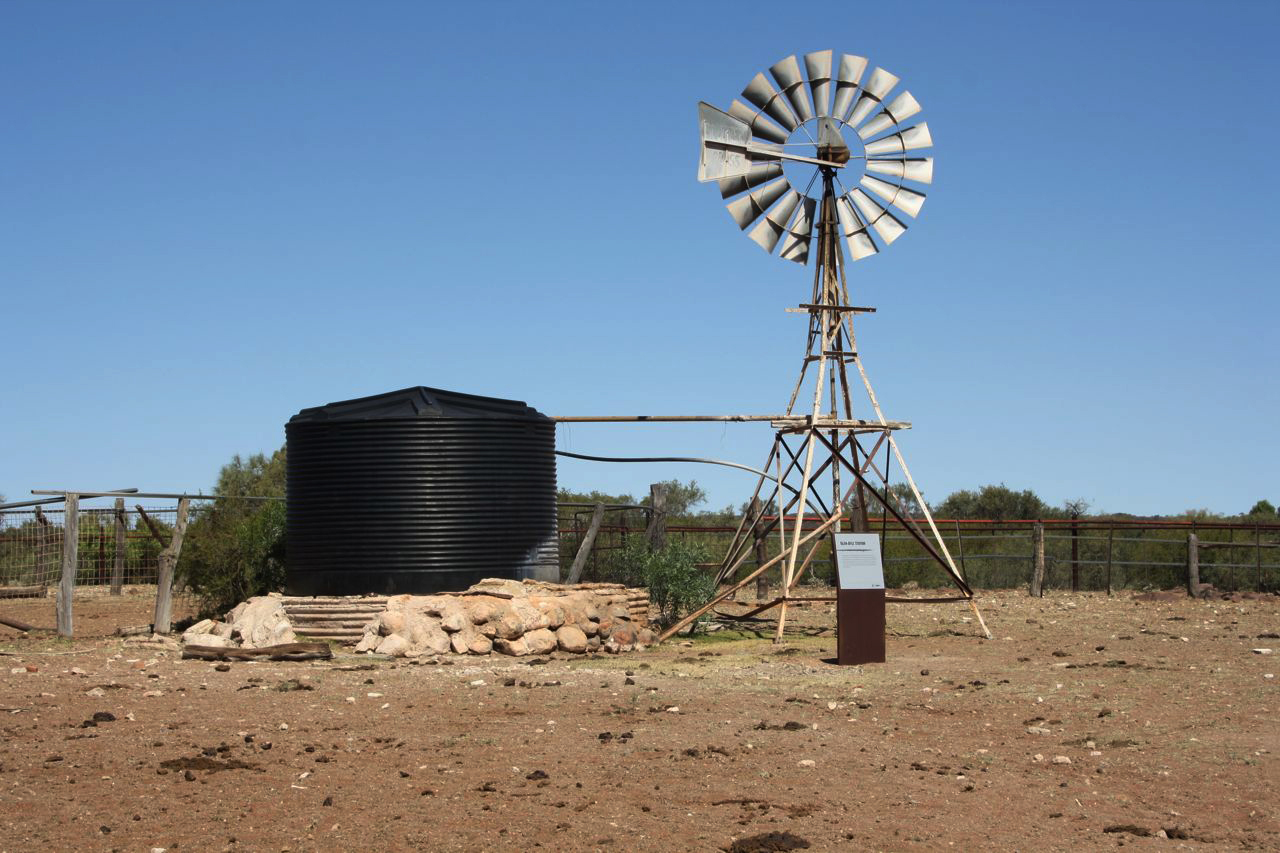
(214, 215)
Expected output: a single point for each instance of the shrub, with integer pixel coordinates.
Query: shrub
(677, 586)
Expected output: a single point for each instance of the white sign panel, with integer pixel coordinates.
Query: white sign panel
(858, 561)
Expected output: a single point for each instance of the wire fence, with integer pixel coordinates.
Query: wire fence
(115, 547)
(1087, 554)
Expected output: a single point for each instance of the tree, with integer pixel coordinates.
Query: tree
(235, 548)
(998, 503)
(681, 497)
(1263, 507)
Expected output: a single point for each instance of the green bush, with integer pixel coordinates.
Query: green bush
(235, 548)
(677, 586)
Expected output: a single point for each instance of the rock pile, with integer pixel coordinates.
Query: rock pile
(253, 624)
(511, 618)
(504, 616)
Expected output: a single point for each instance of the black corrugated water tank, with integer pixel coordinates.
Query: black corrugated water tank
(419, 491)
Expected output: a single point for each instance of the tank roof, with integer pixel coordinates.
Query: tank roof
(419, 402)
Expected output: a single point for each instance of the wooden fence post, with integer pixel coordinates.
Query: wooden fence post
(70, 558)
(117, 567)
(44, 541)
(761, 544)
(1193, 564)
(164, 579)
(1037, 568)
(657, 532)
(584, 550)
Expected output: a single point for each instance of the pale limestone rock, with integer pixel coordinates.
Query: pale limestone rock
(394, 645)
(427, 637)
(501, 585)
(469, 641)
(391, 622)
(483, 609)
(532, 617)
(516, 648)
(204, 626)
(260, 622)
(570, 638)
(551, 609)
(455, 620)
(540, 641)
(206, 640)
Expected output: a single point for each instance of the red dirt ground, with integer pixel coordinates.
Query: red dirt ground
(951, 744)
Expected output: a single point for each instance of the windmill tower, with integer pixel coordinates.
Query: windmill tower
(850, 147)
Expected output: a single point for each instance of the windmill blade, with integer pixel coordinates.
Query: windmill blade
(818, 66)
(759, 174)
(872, 94)
(760, 126)
(902, 108)
(750, 207)
(761, 93)
(847, 79)
(769, 230)
(907, 200)
(887, 227)
(787, 73)
(918, 169)
(855, 231)
(904, 140)
(800, 233)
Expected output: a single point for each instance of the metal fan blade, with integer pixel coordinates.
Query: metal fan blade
(886, 225)
(847, 78)
(855, 230)
(912, 168)
(872, 94)
(759, 174)
(800, 233)
(902, 108)
(760, 126)
(769, 230)
(904, 140)
(787, 73)
(761, 93)
(724, 145)
(750, 207)
(818, 66)
(906, 200)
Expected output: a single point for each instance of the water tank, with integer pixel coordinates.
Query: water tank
(419, 491)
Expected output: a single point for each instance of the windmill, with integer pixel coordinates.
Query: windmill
(823, 157)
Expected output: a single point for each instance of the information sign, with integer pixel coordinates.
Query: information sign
(858, 563)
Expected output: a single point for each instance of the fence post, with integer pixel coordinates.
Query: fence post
(584, 549)
(657, 531)
(1037, 568)
(1111, 535)
(1257, 538)
(1075, 553)
(761, 546)
(70, 557)
(168, 561)
(117, 567)
(44, 540)
(1193, 564)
